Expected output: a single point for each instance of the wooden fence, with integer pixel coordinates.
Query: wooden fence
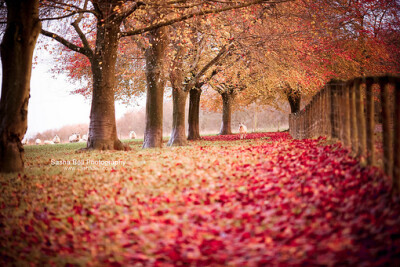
(363, 113)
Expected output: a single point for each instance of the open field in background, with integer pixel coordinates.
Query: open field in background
(267, 200)
(266, 119)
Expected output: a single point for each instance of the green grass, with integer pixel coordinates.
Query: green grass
(44, 159)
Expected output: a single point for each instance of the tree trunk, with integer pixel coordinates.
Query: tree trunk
(226, 127)
(178, 135)
(155, 88)
(102, 128)
(19, 40)
(194, 111)
(294, 98)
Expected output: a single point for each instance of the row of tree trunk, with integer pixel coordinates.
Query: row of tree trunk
(23, 28)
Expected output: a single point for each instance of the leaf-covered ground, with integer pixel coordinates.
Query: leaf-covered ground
(264, 201)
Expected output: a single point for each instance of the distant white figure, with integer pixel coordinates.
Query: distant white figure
(242, 130)
(132, 135)
(56, 139)
(48, 142)
(74, 138)
(85, 137)
(38, 141)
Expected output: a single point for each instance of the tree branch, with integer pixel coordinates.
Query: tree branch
(199, 49)
(214, 61)
(83, 37)
(75, 24)
(127, 13)
(80, 16)
(68, 44)
(70, 15)
(194, 14)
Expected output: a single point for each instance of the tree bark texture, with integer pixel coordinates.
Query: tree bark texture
(155, 87)
(19, 40)
(194, 112)
(179, 96)
(102, 127)
(178, 135)
(226, 126)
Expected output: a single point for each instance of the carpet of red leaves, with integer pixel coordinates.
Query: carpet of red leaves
(287, 203)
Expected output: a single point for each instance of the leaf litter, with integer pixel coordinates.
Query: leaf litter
(267, 200)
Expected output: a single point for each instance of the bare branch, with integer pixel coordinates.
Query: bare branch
(211, 63)
(69, 15)
(80, 17)
(199, 48)
(68, 44)
(81, 35)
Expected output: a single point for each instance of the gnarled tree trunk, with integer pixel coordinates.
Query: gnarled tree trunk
(23, 28)
(178, 135)
(155, 88)
(193, 118)
(102, 127)
(226, 127)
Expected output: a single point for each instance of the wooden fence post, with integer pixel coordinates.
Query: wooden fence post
(333, 103)
(329, 110)
(308, 116)
(319, 112)
(301, 126)
(340, 112)
(304, 115)
(396, 146)
(346, 115)
(370, 121)
(327, 113)
(323, 111)
(312, 118)
(353, 119)
(362, 142)
(386, 132)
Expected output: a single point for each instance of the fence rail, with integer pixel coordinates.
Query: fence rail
(363, 113)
